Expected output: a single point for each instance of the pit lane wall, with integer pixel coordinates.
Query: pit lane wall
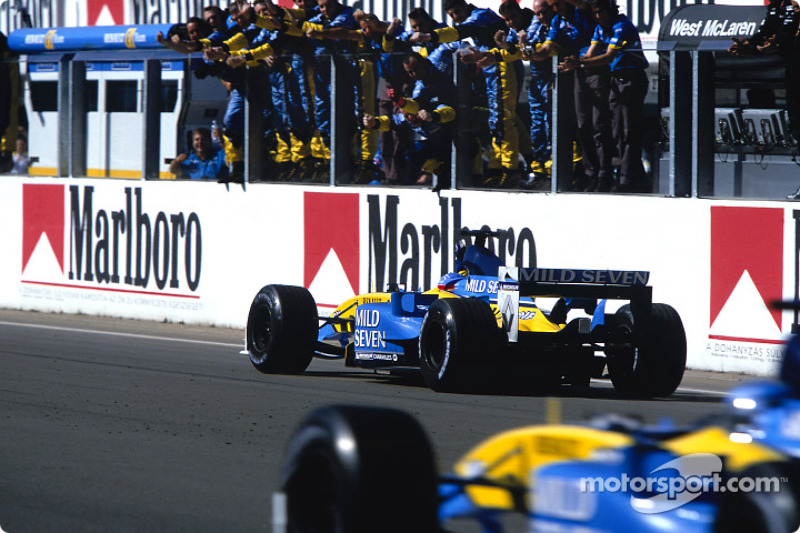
(197, 252)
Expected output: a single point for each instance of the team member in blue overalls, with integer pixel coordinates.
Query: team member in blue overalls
(540, 88)
(332, 15)
(502, 91)
(528, 29)
(429, 114)
(371, 37)
(570, 35)
(616, 44)
(299, 90)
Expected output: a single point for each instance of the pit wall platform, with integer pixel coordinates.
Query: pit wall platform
(196, 252)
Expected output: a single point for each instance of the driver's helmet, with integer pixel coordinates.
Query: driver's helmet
(449, 280)
(460, 250)
(790, 365)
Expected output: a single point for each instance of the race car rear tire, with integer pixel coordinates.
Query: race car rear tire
(765, 511)
(282, 329)
(360, 469)
(456, 334)
(655, 366)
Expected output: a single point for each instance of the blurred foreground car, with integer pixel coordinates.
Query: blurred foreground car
(367, 469)
(482, 330)
(361, 469)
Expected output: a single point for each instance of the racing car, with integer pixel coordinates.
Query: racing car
(737, 470)
(767, 411)
(363, 469)
(481, 328)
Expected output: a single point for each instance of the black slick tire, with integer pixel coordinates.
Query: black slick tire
(360, 470)
(456, 334)
(282, 329)
(654, 365)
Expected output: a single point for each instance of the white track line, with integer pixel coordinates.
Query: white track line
(228, 344)
(117, 334)
(680, 389)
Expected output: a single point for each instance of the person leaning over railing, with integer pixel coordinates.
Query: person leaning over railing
(297, 51)
(502, 92)
(528, 30)
(429, 114)
(616, 44)
(369, 38)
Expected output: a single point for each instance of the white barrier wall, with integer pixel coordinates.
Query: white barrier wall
(197, 252)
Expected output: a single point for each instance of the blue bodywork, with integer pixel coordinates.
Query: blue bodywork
(386, 333)
(769, 413)
(764, 412)
(557, 497)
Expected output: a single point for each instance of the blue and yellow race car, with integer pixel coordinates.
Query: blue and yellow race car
(481, 329)
(355, 468)
(362, 469)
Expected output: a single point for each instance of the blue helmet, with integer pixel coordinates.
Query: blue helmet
(460, 250)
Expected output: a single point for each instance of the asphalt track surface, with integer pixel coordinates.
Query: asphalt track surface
(121, 425)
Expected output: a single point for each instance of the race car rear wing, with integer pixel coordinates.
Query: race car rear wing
(514, 282)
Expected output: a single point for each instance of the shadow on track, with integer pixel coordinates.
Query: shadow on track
(598, 391)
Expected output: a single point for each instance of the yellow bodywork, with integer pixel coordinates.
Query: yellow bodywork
(347, 309)
(716, 440)
(531, 318)
(510, 457)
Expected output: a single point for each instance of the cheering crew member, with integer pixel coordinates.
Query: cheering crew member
(206, 162)
(369, 38)
(528, 30)
(502, 92)
(429, 114)
(234, 80)
(299, 88)
(332, 15)
(570, 34)
(616, 44)
(440, 54)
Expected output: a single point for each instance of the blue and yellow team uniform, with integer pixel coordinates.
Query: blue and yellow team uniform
(502, 91)
(623, 37)
(440, 54)
(235, 79)
(628, 90)
(259, 41)
(275, 110)
(369, 66)
(342, 53)
(540, 95)
(432, 143)
(299, 87)
(573, 36)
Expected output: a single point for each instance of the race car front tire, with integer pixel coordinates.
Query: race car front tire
(766, 511)
(653, 365)
(282, 329)
(456, 334)
(360, 470)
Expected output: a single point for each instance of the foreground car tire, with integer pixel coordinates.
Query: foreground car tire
(760, 510)
(655, 366)
(282, 329)
(359, 469)
(456, 334)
